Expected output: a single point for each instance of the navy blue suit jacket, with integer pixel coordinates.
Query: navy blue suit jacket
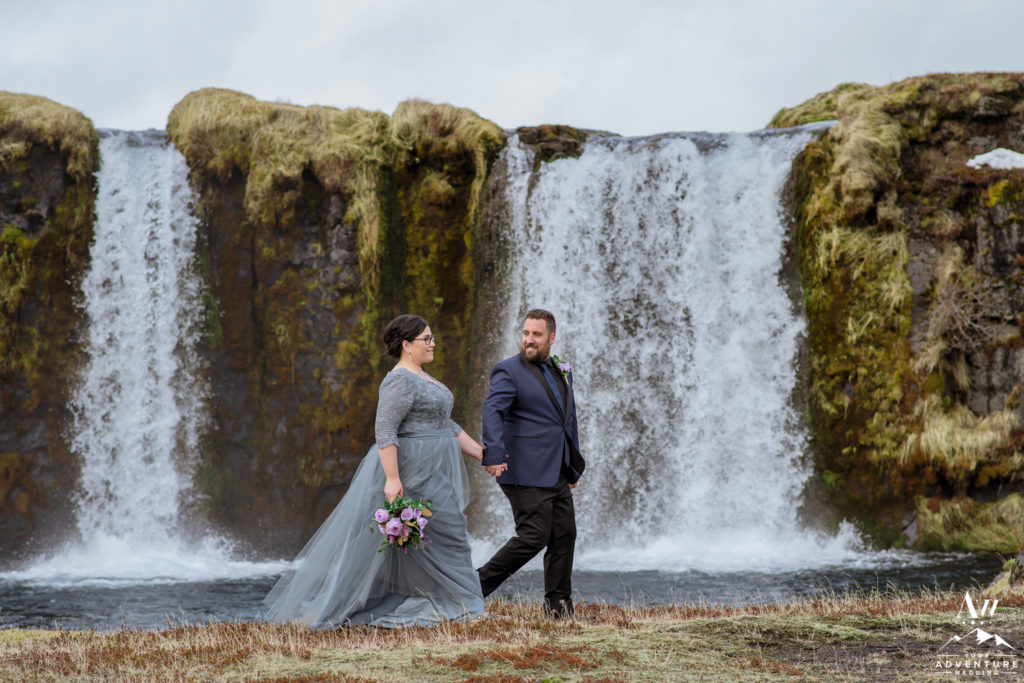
(524, 427)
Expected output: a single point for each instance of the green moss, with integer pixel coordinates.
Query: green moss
(856, 296)
(995, 192)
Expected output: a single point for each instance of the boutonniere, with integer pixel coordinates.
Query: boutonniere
(563, 366)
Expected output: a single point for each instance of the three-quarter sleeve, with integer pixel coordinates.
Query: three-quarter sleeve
(456, 429)
(394, 400)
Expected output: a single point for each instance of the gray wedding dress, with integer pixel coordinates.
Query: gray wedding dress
(340, 578)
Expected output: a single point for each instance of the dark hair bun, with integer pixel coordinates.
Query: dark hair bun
(403, 328)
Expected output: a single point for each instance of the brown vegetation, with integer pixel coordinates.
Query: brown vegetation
(891, 636)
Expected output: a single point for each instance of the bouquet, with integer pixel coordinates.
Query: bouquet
(402, 521)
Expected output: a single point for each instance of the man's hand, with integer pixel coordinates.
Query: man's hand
(496, 470)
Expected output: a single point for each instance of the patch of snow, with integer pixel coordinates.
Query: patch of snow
(1000, 158)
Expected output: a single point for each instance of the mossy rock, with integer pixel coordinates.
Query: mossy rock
(553, 141)
(886, 193)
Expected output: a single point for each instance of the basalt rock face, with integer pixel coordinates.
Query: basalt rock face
(320, 225)
(47, 161)
(912, 265)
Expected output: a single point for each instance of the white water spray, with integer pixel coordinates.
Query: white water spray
(140, 404)
(661, 260)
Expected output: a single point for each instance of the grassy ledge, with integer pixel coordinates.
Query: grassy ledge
(879, 637)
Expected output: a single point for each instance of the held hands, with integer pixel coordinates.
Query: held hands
(393, 489)
(496, 470)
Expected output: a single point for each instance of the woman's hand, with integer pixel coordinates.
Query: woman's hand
(393, 489)
(389, 462)
(470, 447)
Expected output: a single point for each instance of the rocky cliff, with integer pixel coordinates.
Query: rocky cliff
(48, 155)
(319, 224)
(912, 264)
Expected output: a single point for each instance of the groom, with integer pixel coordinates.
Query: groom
(532, 445)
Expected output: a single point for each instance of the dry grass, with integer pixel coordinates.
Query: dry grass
(420, 129)
(821, 107)
(880, 258)
(961, 302)
(965, 523)
(27, 120)
(961, 443)
(890, 635)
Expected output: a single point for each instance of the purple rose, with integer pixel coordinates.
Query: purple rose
(564, 367)
(422, 522)
(381, 515)
(408, 513)
(383, 530)
(394, 527)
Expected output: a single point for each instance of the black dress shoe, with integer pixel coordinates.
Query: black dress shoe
(559, 608)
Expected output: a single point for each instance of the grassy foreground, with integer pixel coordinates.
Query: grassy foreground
(879, 637)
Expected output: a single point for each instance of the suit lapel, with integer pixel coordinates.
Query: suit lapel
(539, 376)
(568, 389)
(568, 396)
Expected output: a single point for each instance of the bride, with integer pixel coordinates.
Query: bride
(339, 577)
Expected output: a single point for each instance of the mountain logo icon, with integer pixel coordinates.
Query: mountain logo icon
(980, 637)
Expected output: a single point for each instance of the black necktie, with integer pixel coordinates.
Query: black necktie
(553, 383)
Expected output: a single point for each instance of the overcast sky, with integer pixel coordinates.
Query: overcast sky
(630, 67)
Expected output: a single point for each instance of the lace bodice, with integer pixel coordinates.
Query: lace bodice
(408, 403)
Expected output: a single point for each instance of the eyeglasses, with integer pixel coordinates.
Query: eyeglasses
(428, 340)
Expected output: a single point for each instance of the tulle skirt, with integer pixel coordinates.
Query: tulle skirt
(340, 578)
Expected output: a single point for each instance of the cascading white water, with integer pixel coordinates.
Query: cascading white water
(661, 259)
(140, 403)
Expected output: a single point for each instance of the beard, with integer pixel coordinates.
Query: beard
(535, 353)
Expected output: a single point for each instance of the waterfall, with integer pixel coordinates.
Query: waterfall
(661, 258)
(138, 411)
(139, 406)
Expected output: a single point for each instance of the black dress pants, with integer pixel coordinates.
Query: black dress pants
(544, 518)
